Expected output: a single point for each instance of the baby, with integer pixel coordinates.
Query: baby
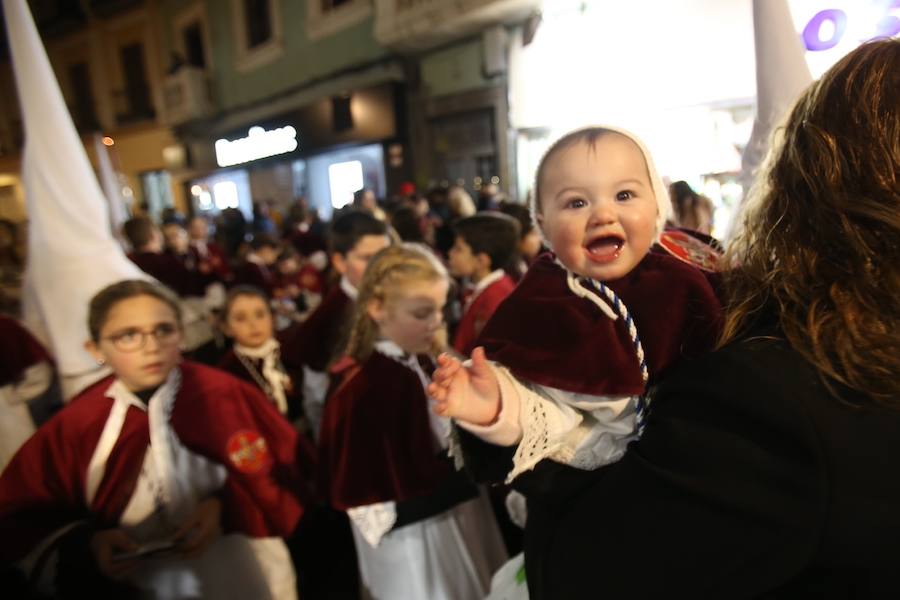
(575, 347)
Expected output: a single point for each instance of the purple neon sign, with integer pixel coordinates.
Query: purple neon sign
(888, 25)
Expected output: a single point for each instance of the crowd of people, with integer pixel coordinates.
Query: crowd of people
(395, 403)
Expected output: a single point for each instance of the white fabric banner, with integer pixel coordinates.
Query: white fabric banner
(71, 251)
(782, 74)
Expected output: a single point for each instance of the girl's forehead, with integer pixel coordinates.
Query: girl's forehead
(139, 310)
(419, 289)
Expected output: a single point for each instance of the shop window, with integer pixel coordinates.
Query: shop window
(135, 103)
(344, 178)
(225, 194)
(157, 189)
(257, 29)
(325, 17)
(82, 98)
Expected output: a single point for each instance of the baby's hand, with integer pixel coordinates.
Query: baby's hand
(470, 393)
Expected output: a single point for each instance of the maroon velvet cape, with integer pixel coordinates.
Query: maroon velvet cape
(18, 351)
(478, 314)
(43, 487)
(317, 340)
(233, 365)
(376, 442)
(545, 334)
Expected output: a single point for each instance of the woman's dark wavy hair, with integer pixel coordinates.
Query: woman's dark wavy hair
(820, 242)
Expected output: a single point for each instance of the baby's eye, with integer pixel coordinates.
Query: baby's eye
(576, 203)
(624, 195)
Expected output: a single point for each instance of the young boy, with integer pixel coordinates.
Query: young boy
(355, 237)
(485, 244)
(258, 267)
(208, 255)
(579, 340)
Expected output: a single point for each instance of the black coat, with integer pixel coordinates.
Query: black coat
(751, 481)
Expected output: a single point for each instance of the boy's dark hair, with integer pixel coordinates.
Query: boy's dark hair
(520, 213)
(264, 240)
(138, 231)
(349, 228)
(491, 233)
(104, 301)
(238, 291)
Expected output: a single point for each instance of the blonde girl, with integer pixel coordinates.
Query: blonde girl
(421, 530)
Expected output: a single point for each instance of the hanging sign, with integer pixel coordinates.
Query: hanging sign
(259, 143)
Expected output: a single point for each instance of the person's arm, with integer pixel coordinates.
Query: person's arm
(536, 422)
(725, 495)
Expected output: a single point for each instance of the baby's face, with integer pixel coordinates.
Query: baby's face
(598, 207)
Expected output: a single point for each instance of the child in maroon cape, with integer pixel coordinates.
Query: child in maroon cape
(311, 346)
(153, 462)
(421, 529)
(256, 354)
(484, 247)
(576, 345)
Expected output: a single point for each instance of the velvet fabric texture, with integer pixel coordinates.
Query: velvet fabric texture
(43, 488)
(317, 341)
(545, 334)
(479, 313)
(376, 442)
(18, 351)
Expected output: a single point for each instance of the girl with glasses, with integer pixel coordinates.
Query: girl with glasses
(172, 479)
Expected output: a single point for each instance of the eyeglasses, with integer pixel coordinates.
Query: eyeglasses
(132, 340)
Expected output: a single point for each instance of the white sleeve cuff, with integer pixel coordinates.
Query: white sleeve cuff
(506, 430)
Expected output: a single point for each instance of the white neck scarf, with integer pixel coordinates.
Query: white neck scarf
(275, 379)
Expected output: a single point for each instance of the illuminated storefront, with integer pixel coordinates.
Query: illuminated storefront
(324, 151)
(680, 74)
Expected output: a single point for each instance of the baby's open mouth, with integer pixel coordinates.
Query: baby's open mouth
(604, 248)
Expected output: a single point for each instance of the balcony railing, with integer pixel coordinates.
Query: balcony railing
(186, 96)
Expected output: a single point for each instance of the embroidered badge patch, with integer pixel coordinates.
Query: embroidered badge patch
(247, 451)
(689, 249)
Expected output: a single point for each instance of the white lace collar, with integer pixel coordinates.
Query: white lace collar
(390, 349)
(262, 351)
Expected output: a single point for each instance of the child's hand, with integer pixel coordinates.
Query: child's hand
(105, 545)
(201, 528)
(466, 393)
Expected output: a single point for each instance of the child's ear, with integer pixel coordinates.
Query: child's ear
(339, 263)
(375, 309)
(484, 262)
(94, 350)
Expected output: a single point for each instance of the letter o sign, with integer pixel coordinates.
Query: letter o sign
(813, 29)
